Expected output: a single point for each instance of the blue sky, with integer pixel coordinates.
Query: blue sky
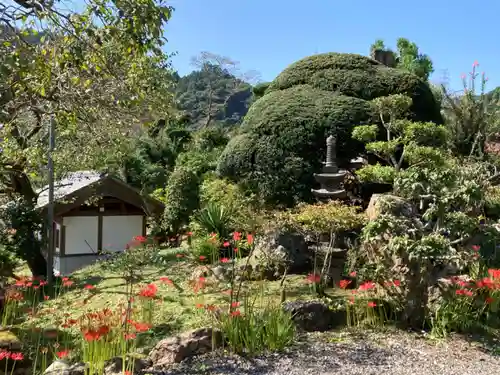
(268, 35)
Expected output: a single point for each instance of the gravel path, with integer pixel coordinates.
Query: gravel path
(394, 353)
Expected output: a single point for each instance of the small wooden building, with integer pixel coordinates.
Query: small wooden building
(94, 214)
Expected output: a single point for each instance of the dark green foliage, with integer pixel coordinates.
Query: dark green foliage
(282, 139)
(182, 199)
(230, 96)
(361, 77)
(215, 218)
(285, 141)
(260, 89)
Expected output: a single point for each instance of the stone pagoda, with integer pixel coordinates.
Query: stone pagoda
(331, 177)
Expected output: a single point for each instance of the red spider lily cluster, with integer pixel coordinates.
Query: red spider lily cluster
(486, 285)
(4, 354)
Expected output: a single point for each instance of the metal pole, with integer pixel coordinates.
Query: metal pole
(50, 207)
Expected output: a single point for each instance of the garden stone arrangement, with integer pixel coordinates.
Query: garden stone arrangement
(252, 255)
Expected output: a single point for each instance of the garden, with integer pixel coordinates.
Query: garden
(245, 267)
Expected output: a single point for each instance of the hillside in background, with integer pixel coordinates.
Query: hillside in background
(213, 95)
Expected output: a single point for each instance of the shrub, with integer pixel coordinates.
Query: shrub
(215, 218)
(207, 247)
(244, 207)
(282, 139)
(182, 199)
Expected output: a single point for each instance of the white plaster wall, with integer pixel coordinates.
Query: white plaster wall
(65, 266)
(118, 231)
(81, 234)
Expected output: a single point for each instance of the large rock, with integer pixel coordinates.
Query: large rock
(9, 341)
(115, 365)
(60, 367)
(311, 316)
(389, 204)
(175, 349)
(276, 252)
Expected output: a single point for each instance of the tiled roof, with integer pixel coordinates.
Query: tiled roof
(74, 181)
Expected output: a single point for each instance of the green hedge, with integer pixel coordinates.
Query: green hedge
(282, 139)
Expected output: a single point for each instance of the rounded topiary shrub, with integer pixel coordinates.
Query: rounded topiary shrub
(282, 139)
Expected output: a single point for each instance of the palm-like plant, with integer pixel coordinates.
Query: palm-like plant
(471, 118)
(215, 218)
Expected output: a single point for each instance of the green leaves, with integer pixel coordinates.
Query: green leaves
(365, 133)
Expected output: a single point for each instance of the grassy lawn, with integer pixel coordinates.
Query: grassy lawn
(177, 307)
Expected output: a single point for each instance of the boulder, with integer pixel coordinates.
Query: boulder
(60, 367)
(175, 349)
(311, 316)
(115, 365)
(279, 251)
(9, 341)
(389, 204)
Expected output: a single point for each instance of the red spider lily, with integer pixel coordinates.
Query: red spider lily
(91, 335)
(17, 356)
(210, 307)
(130, 336)
(202, 258)
(43, 283)
(367, 285)
(353, 274)
(313, 278)
(463, 292)
(141, 327)
(226, 244)
(29, 284)
(486, 282)
(249, 239)
(395, 283)
(149, 291)
(4, 354)
(225, 260)
(127, 372)
(372, 304)
(62, 354)
(237, 236)
(200, 284)
(475, 64)
(236, 313)
(68, 283)
(166, 280)
(343, 284)
(351, 301)
(235, 249)
(89, 287)
(489, 300)
(189, 234)
(21, 282)
(235, 304)
(476, 247)
(495, 274)
(140, 239)
(65, 278)
(104, 330)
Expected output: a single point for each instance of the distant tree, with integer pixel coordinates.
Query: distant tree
(408, 57)
(216, 82)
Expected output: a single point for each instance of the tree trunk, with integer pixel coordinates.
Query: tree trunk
(415, 311)
(25, 220)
